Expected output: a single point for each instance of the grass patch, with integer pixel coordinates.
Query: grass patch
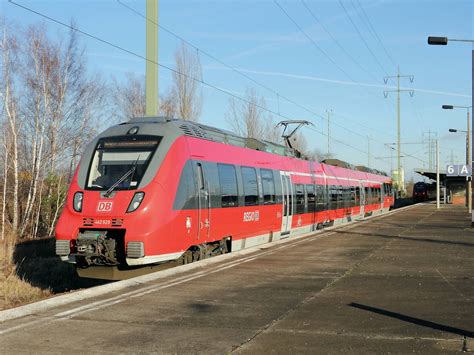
(17, 292)
(30, 271)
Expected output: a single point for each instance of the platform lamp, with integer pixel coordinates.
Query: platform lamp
(434, 40)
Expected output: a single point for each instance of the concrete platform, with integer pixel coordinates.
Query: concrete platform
(395, 284)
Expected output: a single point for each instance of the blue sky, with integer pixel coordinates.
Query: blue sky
(258, 38)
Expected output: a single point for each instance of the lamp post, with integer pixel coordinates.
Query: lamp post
(438, 182)
(443, 41)
(432, 40)
(468, 150)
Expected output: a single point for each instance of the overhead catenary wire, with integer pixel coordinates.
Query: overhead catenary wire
(407, 155)
(375, 32)
(266, 87)
(334, 39)
(347, 118)
(240, 72)
(139, 56)
(377, 37)
(278, 95)
(362, 38)
(73, 28)
(331, 59)
(308, 37)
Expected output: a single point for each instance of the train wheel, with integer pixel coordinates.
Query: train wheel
(186, 258)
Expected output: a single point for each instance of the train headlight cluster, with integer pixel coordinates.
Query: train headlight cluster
(77, 203)
(136, 201)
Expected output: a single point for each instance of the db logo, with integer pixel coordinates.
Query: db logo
(104, 206)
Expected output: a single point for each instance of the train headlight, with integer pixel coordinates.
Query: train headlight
(136, 201)
(77, 202)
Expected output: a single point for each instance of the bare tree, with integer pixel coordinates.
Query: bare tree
(299, 143)
(186, 89)
(168, 105)
(248, 117)
(320, 156)
(9, 47)
(49, 107)
(5, 184)
(272, 132)
(85, 124)
(183, 100)
(130, 97)
(130, 100)
(37, 71)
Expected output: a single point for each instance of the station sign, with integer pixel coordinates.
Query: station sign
(458, 170)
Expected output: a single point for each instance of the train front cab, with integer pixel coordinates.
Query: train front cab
(119, 199)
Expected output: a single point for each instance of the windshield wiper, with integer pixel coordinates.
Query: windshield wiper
(122, 178)
(117, 183)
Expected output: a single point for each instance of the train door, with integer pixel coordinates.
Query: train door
(204, 203)
(362, 199)
(287, 192)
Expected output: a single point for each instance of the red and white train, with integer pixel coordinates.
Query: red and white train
(155, 190)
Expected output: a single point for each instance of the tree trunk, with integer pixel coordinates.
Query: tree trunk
(5, 183)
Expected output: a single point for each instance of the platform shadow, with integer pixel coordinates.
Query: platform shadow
(426, 240)
(413, 320)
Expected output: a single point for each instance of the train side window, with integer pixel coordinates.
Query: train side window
(268, 186)
(340, 196)
(249, 176)
(277, 181)
(185, 198)
(299, 194)
(326, 198)
(200, 174)
(320, 198)
(310, 190)
(333, 192)
(228, 183)
(347, 196)
(353, 196)
(211, 181)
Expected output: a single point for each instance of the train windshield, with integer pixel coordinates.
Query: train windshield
(419, 187)
(121, 162)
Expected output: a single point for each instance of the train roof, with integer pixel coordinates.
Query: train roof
(199, 130)
(202, 131)
(339, 163)
(369, 170)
